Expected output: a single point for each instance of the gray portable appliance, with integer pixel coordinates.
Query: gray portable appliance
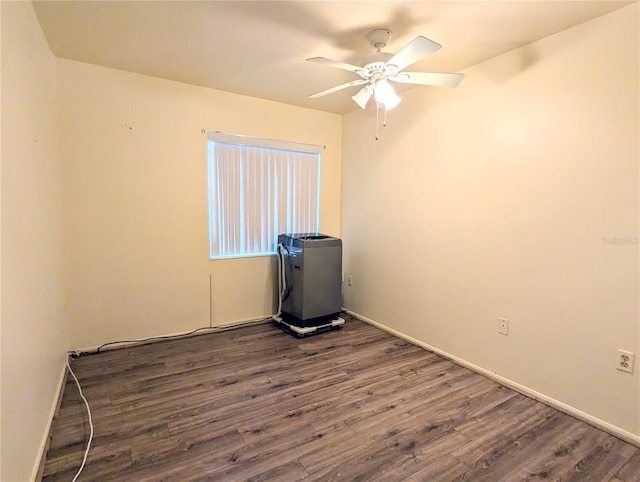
(312, 295)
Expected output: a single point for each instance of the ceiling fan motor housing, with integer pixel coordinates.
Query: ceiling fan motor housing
(375, 65)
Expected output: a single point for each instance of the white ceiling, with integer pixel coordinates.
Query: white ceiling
(258, 48)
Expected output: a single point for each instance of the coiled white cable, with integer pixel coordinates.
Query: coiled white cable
(86, 452)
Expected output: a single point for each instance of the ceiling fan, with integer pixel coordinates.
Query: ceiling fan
(381, 67)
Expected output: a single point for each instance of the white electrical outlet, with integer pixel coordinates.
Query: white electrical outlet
(350, 280)
(625, 361)
(503, 326)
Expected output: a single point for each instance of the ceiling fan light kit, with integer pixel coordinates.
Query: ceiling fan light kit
(381, 67)
(385, 95)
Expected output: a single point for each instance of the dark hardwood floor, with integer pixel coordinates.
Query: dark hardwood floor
(255, 403)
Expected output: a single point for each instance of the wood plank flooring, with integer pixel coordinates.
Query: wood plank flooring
(357, 404)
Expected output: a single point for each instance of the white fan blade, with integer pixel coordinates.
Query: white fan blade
(335, 63)
(415, 50)
(339, 87)
(429, 78)
(363, 96)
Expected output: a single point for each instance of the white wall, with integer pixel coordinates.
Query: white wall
(32, 296)
(135, 202)
(493, 199)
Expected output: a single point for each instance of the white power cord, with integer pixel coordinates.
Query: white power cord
(86, 452)
(213, 329)
(282, 279)
(282, 287)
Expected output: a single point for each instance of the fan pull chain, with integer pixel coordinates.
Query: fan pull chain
(384, 118)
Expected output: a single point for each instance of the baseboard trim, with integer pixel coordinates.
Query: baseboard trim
(38, 469)
(540, 397)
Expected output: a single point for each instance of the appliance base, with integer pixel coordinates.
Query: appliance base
(300, 331)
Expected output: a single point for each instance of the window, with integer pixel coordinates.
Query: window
(259, 188)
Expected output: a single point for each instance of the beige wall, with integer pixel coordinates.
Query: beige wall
(489, 200)
(135, 202)
(493, 200)
(32, 297)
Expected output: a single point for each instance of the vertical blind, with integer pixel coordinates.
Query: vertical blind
(259, 188)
